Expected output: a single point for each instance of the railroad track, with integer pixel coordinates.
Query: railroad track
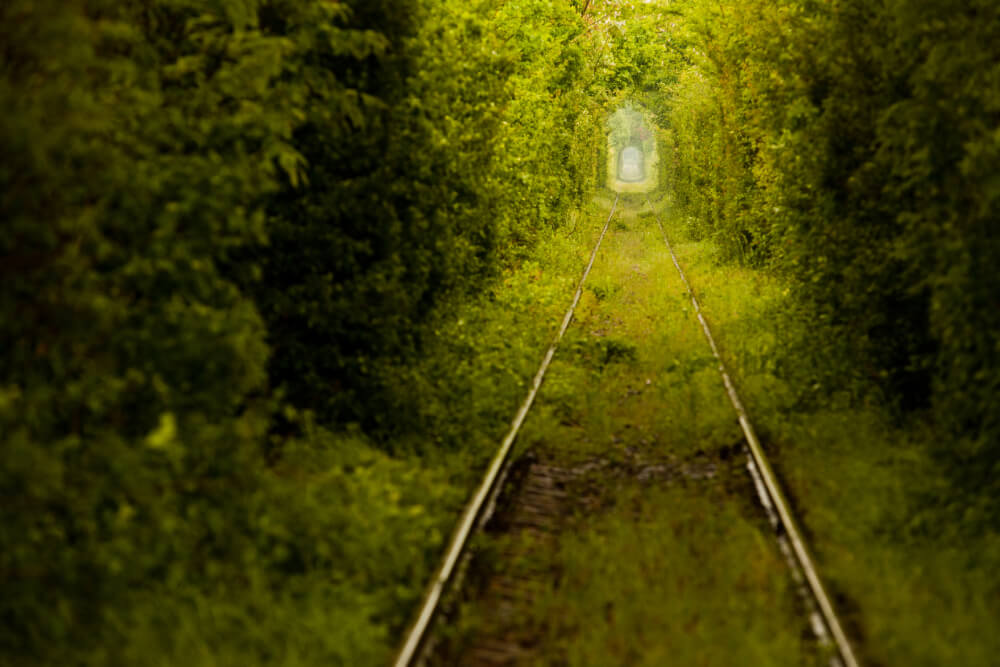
(483, 501)
(822, 615)
(539, 502)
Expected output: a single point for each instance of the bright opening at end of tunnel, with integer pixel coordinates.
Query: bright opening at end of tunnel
(632, 165)
(633, 157)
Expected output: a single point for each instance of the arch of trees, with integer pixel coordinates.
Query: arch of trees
(226, 227)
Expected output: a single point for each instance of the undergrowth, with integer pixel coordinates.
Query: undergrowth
(340, 537)
(666, 558)
(916, 586)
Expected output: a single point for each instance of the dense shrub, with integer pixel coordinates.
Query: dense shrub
(220, 224)
(462, 147)
(130, 363)
(389, 212)
(853, 146)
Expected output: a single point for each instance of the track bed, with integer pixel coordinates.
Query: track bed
(628, 531)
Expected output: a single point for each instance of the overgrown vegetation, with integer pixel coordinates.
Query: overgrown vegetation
(911, 588)
(228, 229)
(666, 559)
(657, 552)
(852, 147)
(273, 274)
(847, 150)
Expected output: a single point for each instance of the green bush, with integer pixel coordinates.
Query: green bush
(462, 145)
(390, 212)
(130, 363)
(853, 147)
(223, 223)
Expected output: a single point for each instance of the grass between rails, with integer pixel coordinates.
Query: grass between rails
(913, 592)
(667, 560)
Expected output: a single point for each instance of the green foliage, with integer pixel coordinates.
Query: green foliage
(230, 230)
(866, 486)
(628, 124)
(853, 147)
(464, 145)
(660, 559)
(227, 229)
(390, 210)
(130, 362)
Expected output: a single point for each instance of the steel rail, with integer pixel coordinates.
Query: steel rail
(489, 486)
(769, 491)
